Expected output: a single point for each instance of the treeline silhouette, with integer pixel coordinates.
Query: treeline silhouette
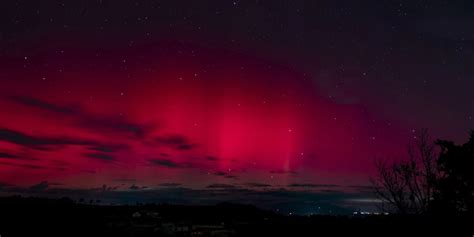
(63, 217)
(436, 178)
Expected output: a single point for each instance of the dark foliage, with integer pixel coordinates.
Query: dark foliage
(455, 186)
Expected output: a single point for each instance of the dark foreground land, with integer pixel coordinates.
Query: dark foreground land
(47, 217)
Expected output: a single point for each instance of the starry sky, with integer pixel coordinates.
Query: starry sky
(281, 104)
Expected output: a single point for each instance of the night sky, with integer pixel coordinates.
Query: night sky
(281, 104)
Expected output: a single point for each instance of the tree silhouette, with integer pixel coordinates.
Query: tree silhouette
(407, 185)
(455, 186)
(427, 181)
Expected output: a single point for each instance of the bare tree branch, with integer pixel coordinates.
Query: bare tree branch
(407, 184)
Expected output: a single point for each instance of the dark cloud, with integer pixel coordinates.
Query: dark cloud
(329, 191)
(104, 188)
(28, 166)
(221, 186)
(184, 147)
(102, 151)
(225, 175)
(100, 156)
(32, 166)
(172, 140)
(4, 185)
(33, 102)
(168, 163)
(23, 139)
(8, 155)
(257, 185)
(309, 185)
(102, 123)
(5, 155)
(39, 187)
(108, 148)
(170, 184)
(177, 142)
(212, 158)
(136, 187)
(362, 188)
(113, 125)
(110, 188)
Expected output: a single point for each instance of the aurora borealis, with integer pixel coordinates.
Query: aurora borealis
(238, 96)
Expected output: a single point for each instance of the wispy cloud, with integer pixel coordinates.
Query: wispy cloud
(257, 185)
(39, 187)
(31, 166)
(103, 123)
(136, 187)
(8, 156)
(108, 148)
(38, 142)
(311, 185)
(170, 184)
(100, 156)
(168, 163)
(221, 186)
(178, 142)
